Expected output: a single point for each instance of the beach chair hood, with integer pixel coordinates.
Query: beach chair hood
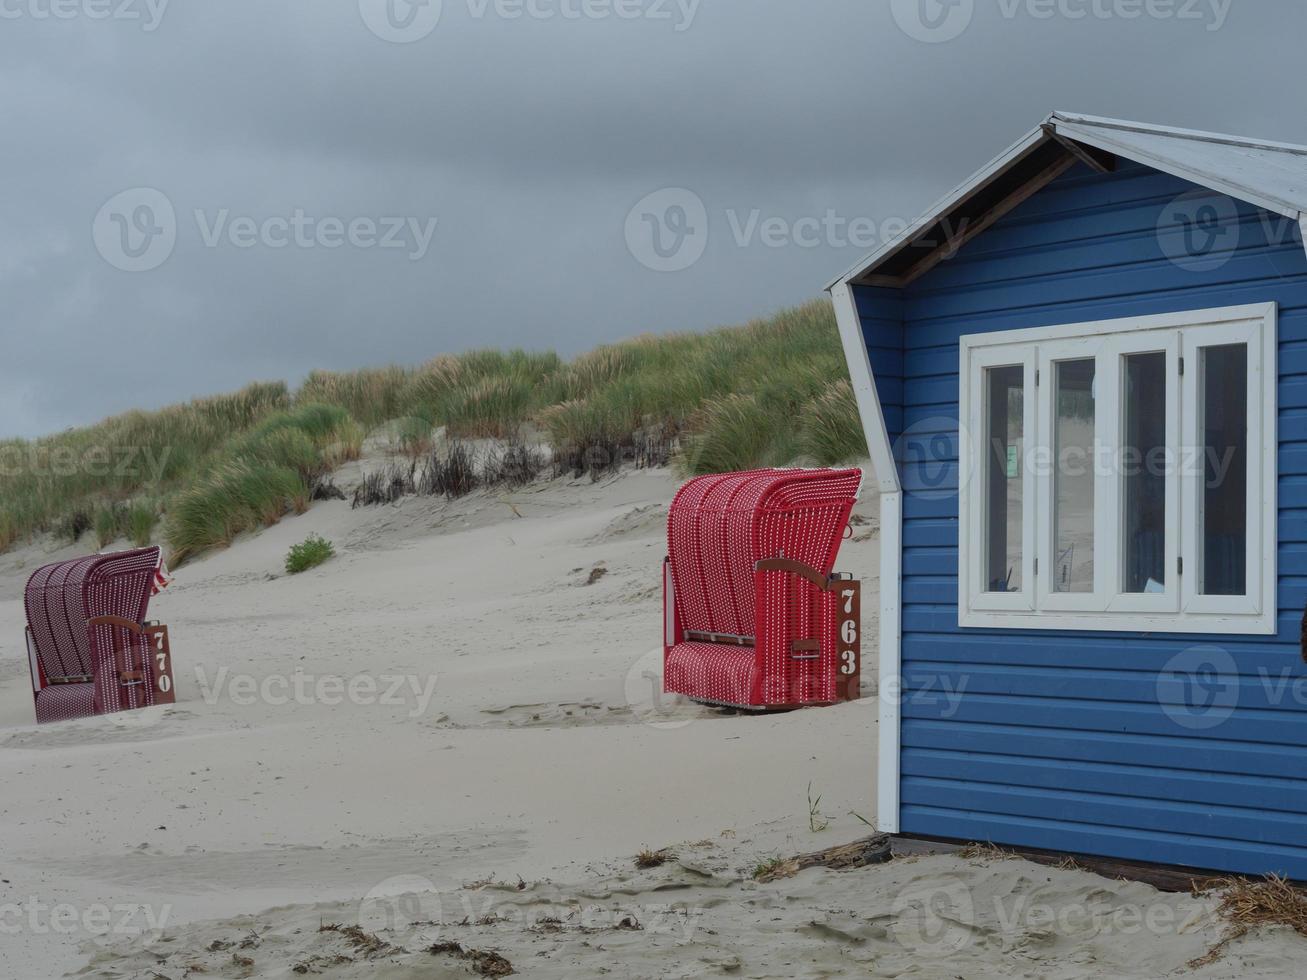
(732, 619)
(90, 647)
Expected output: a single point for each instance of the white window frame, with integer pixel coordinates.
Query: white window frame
(1024, 600)
(1179, 609)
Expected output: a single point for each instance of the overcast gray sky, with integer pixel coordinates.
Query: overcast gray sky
(202, 193)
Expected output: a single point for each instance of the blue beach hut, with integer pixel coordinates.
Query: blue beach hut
(1083, 381)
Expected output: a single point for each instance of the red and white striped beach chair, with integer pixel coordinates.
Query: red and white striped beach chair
(90, 648)
(754, 616)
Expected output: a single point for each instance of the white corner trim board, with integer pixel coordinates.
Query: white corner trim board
(889, 693)
(888, 683)
(864, 389)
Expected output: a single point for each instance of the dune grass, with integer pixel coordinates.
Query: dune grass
(772, 392)
(260, 476)
(60, 483)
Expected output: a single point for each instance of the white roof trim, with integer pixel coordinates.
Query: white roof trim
(1102, 122)
(1269, 175)
(946, 203)
(1205, 178)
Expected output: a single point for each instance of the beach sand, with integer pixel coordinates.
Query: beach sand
(448, 734)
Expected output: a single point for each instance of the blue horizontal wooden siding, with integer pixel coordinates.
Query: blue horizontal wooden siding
(881, 315)
(1102, 743)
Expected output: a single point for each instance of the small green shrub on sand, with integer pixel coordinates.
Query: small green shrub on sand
(309, 553)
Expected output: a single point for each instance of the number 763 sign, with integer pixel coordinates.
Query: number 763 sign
(848, 622)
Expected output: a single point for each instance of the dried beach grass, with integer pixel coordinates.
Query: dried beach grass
(1248, 905)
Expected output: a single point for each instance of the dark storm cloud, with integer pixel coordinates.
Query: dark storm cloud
(317, 156)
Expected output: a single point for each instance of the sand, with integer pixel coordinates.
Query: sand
(446, 734)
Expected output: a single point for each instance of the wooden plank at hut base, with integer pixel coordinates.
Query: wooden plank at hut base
(859, 854)
(1163, 877)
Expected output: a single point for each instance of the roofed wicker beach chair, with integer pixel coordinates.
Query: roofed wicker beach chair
(90, 648)
(754, 617)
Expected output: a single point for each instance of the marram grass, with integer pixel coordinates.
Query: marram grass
(772, 392)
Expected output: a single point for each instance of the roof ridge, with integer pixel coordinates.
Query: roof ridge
(1265, 174)
(1126, 125)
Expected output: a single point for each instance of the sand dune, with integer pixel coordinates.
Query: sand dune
(448, 734)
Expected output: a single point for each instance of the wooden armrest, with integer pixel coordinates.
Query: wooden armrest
(794, 568)
(126, 624)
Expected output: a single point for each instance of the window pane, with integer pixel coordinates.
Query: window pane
(1224, 401)
(1005, 411)
(1143, 462)
(1073, 430)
